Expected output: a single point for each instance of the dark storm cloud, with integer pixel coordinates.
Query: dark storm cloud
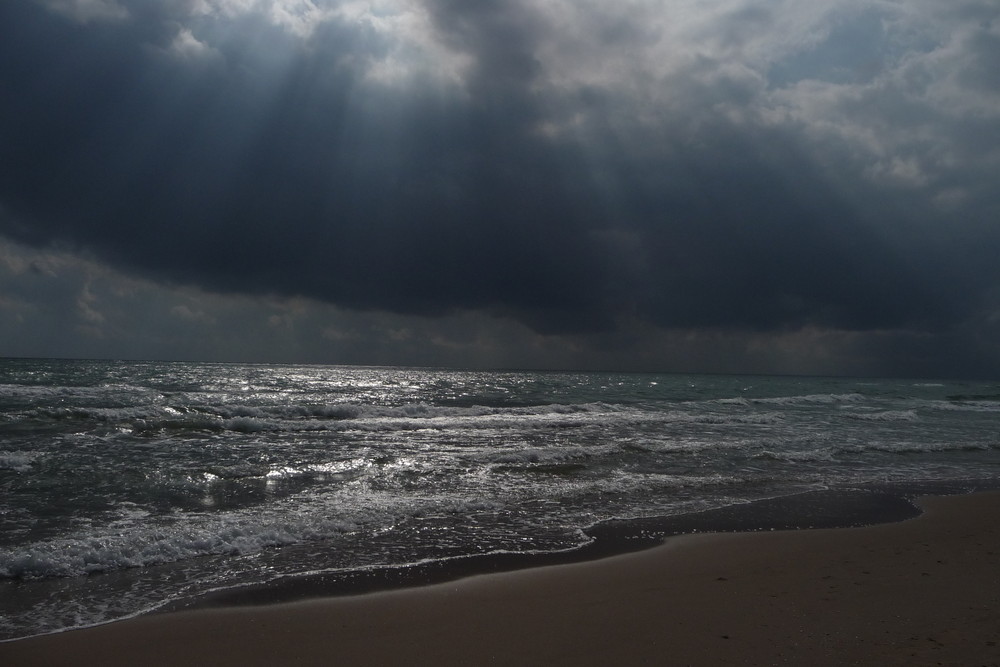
(269, 174)
(772, 189)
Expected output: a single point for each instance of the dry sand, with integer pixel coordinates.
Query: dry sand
(920, 592)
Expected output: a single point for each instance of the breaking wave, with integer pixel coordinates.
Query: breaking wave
(109, 551)
(886, 416)
(19, 461)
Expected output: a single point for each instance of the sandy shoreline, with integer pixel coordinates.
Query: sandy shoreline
(920, 592)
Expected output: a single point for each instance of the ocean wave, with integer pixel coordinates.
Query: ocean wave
(762, 418)
(329, 469)
(811, 399)
(423, 410)
(739, 400)
(101, 415)
(38, 391)
(157, 546)
(965, 405)
(911, 447)
(249, 425)
(205, 479)
(122, 394)
(660, 482)
(336, 417)
(212, 479)
(795, 456)
(885, 416)
(548, 456)
(714, 418)
(18, 461)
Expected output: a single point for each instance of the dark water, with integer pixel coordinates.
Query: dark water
(126, 485)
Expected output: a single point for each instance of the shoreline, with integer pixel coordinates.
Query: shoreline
(920, 591)
(846, 507)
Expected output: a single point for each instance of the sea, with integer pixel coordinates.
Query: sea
(127, 487)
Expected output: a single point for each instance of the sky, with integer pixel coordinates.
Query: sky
(752, 186)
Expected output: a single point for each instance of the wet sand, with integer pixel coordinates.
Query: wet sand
(920, 592)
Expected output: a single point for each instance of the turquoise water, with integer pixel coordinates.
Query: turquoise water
(126, 485)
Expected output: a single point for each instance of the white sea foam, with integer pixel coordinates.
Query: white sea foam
(252, 419)
(37, 391)
(537, 455)
(812, 399)
(115, 550)
(752, 418)
(796, 456)
(124, 394)
(886, 416)
(18, 461)
(964, 406)
(333, 468)
(709, 417)
(739, 400)
(917, 447)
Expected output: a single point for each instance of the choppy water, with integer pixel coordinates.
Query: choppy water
(125, 485)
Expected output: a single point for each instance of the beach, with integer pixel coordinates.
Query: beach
(133, 487)
(925, 591)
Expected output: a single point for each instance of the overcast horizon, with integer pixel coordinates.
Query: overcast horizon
(726, 186)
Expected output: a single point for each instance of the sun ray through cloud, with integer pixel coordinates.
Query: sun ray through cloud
(723, 168)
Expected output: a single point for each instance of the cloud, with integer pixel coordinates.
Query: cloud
(572, 167)
(58, 303)
(186, 45)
